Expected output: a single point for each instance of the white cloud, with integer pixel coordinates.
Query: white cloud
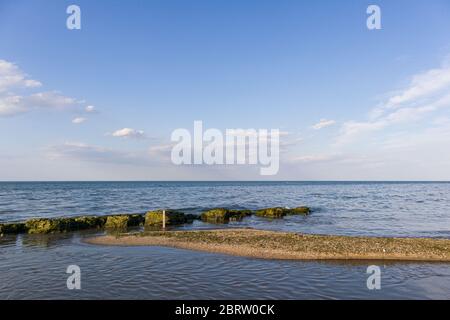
(50, 100)
(129, 133)
(12, 77)
(434, 136)
(353, 129)
(323, 123)
(79, 120)
(15, 97)
(422, 86)
(11, 105)
(90, 109)
(428, 92)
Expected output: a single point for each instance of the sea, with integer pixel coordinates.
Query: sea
(35, 266)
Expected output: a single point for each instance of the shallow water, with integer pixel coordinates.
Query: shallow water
(34, 267)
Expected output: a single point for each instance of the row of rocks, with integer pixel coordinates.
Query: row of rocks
(279, 212)
(222, 215)
(151, 218)
(120, 221)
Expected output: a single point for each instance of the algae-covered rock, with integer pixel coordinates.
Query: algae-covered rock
(44, 225)
(299, 211)
(136, 220)
(279, 212)
(218, 215)
(117, 222)
(89, 222)
(12, 228)
(64, 224)
(238, 215)
(240, 212)
(123, 221)
(274, 213)
(222, 215)
(173, 217)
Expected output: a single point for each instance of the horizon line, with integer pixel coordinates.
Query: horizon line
(162, 181)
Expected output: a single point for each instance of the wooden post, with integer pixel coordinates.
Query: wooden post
(164, 219)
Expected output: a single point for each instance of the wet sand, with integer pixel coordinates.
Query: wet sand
(287, 246)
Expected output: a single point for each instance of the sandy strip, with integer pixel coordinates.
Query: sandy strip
(292, 246)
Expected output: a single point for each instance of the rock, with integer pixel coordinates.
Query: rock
(12, 228)
(173, 217)
(80, 223)
(46, 225)
(89, 222)
(279, 212)
(123, 221)
(43, 225)
(299, 211)
(64, 224)
(274, 213)
(117, 222)
(218, 215)
(135, 220)
(238, 215)
(222, 215)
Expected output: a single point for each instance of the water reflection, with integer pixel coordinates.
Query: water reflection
(33, 267)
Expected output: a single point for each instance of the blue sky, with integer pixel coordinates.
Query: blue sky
(355, 104)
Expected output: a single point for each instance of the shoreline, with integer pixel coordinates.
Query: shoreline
(253, 243)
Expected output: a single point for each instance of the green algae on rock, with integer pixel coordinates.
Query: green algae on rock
(238, 215)
(299, 211)
(271, 212)
(279, 212)
(89, 222)
(123, 221)
(173, 217)
(55, 225)
(222, 215)
(45, 225)
(151, 219)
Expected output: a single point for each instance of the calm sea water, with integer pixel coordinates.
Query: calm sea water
(33, 267)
